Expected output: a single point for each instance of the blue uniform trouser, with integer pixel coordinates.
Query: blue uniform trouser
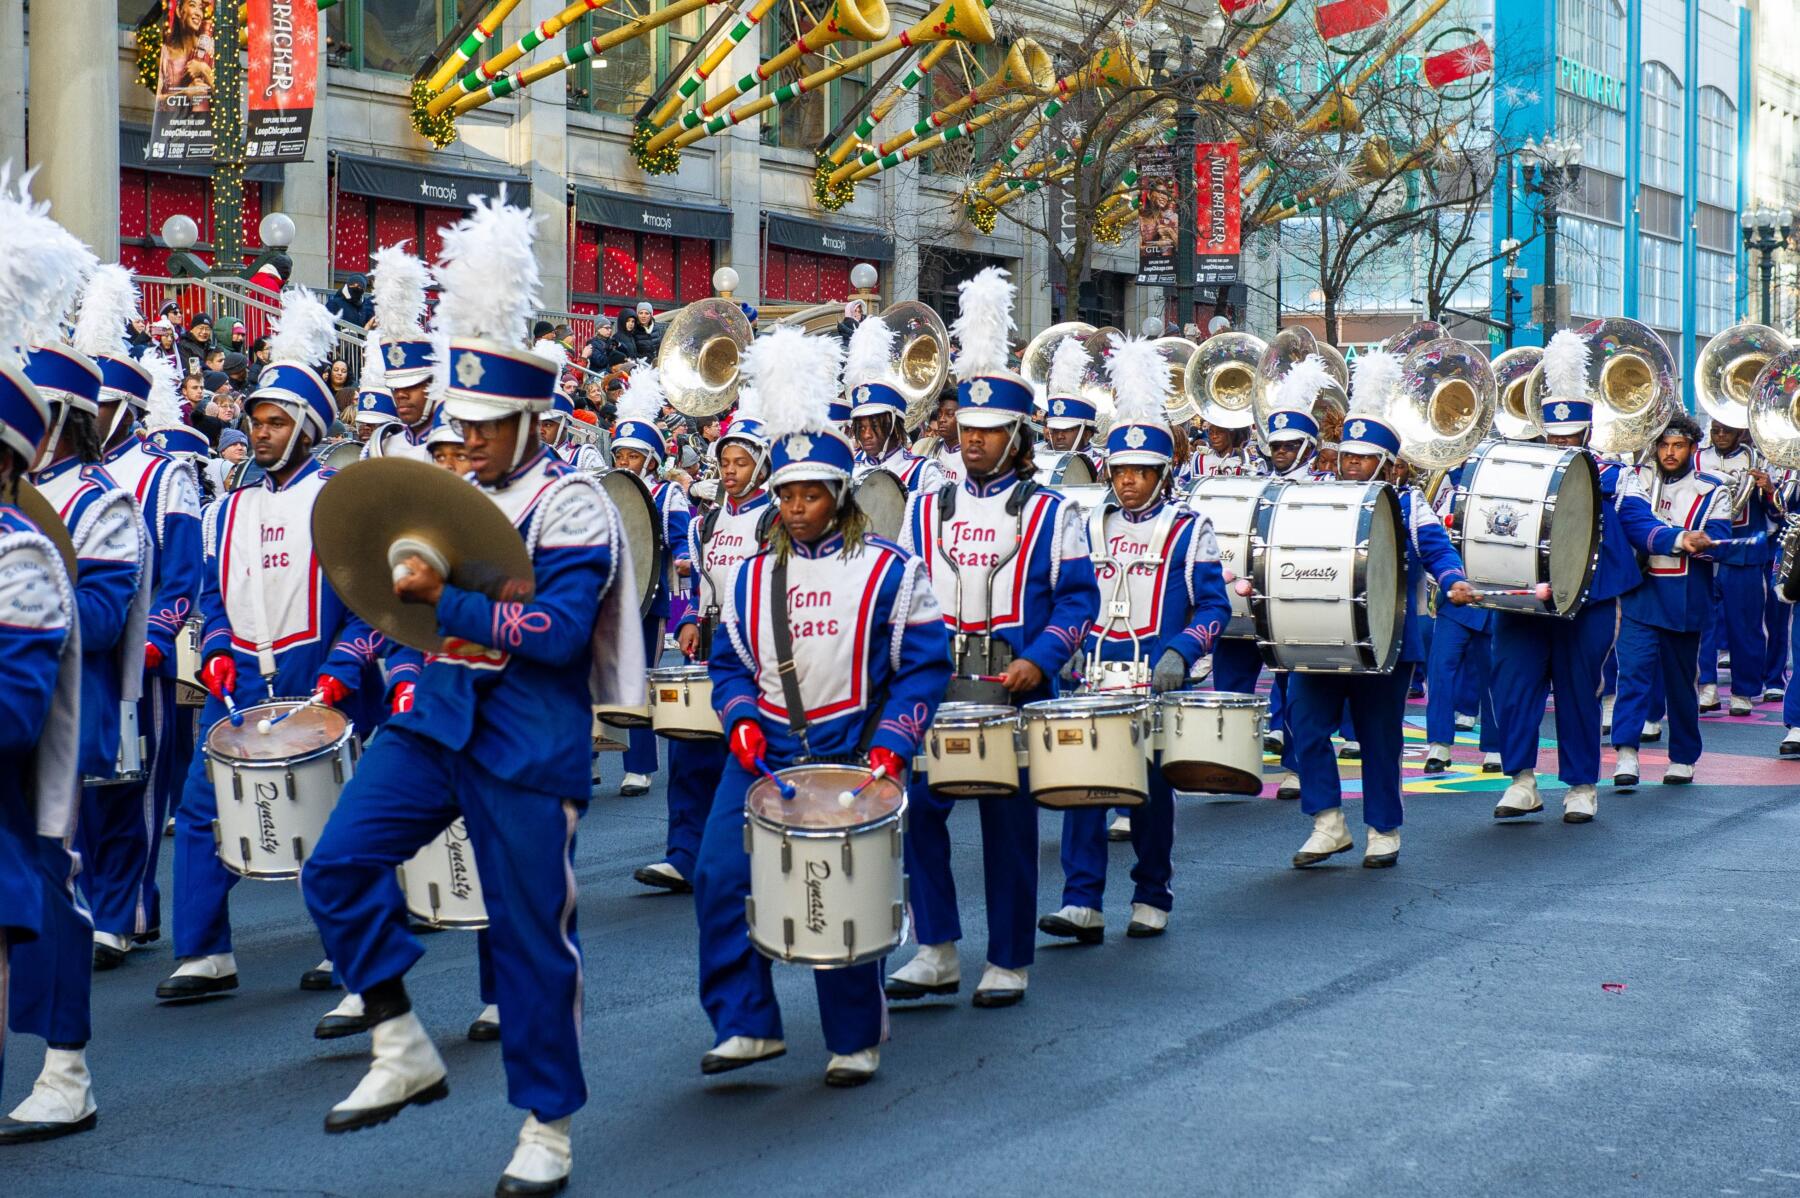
(121, 826)
(49, 986)
(1534, 655)
(1084, 848)
(1790, 702)
(1461, 665)
(1776, 618)
(1378, 709)
(202, 883)
(1236, 665)
(1009, 858)
(408, 789)
(695, 767)
(640, 743)
(737, 986)
(1647, 656)
(1738, 607)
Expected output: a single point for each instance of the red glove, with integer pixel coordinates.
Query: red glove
(219, 675)
(888, 762)
(152, 656)
(748, 743)
(403, 697)
(331, 690)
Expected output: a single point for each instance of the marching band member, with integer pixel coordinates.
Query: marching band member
(718, 543)
(947, 446)
(1007, 562)
(1376, 702)
(1538, 655)
(1460, 665)
(878, 410)
(273, 625)
(496, 735)
(44, 928)
(1069, 417)
(553, 429)
(406, 351)
(375, 408)
(1659, 632)
(1163, 605)
(1739, 588)
(639, 448)
(834, 650)
(121, 826)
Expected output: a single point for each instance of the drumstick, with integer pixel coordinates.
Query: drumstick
(847, 797)
(1541, 592)
(317, 700)
(983, 677)
(231, 711)
(781, 784)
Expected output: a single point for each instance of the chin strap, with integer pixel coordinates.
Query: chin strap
(527, 436)
(53, 437)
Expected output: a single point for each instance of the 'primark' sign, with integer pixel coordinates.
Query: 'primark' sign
(1584, 81)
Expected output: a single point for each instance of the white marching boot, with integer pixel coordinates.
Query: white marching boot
(542, 1161)
(934, 969)
(61, 1102)
(852, 1069)
(1709, 697)
(1625, 771)
(1490, 763)
(634, 784)
(486, 1027)
(1000, 987)
(1437, 758)
(1329, 837)
(348, 1018)
(1350, 748)
(1790, 744)
(1146, 921)
(1521, 798)
(197, 977)
(1289, 786)
(1580, 804)
(1465, 723)
(1652, 732)
(1678, 774)
(1383, 849)
(1120, 830)
(1741, 705)
(1084, 925)
(406, 1070)
(735, 1052)
(109, 950)
(1606, 714)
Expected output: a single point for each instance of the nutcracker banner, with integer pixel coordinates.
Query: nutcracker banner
(181, 123)
(1159, 220)
(284, 68)
(1218, 245)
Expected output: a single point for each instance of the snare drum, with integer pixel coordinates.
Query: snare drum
(275, 790)
(827, 882)
(1526, 515)
(1071, 468)
(128, 766)
(1088, 751)
(1231, 502)
(1329, 565)
(188, 691)
(681, 704)
(1212, 741)
(972, 751)
(441, 885)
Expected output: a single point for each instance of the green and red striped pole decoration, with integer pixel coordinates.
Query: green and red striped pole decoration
(471, 45)
(487, 72)
(748, 19)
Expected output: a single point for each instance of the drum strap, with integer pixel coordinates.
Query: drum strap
(784, 654)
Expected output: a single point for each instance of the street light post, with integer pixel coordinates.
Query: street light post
(1767, 230)
(1187, 82)
(1551, 169)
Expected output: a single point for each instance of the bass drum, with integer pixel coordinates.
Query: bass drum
(1232, 502)
(1329, 567)
(338, 453)
(882, 497)
(1070, 469)
(1527, 515)
(642, 528)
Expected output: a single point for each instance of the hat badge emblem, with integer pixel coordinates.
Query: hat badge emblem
(1059, 407)
(1560, 411)
(469, 369)
(862, 394)
(1135, 438)
(1357, 430)
(799, 446)
(396, 356)
(1281, 420)
(980, 391)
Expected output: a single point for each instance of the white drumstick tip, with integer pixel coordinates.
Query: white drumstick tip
(1227, 575)
(263, 726)
(845, 798)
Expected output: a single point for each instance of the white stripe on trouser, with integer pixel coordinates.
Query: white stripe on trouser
(570, 815)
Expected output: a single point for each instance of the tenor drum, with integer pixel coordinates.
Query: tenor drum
(128, 765)
(1212, 741)
(827, 882)
(275, 790)
(441, 884)
(641, 525)
(1088, 751)
(681, 703)
(1231, 502)
(972, 751)
(1068, 469)
(1526, 515)
(882, 497)
(1329, 566)
(188, 691)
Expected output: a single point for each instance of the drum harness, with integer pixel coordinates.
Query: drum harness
(709, 619)
(1135, 674)
(790, 684)
(995, 654)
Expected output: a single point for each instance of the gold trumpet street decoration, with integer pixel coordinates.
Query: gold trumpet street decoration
(470, 46)
(714, 57)
(1113, 65)
(923, 146)
(477, 80)
(833, 193)
(951, 20)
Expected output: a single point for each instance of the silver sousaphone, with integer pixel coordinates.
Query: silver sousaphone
(1288, 348)
(1220, 379)
(1774, 413)
(1514, 416)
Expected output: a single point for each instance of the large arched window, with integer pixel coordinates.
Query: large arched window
(1717, 149)
(1661, 158)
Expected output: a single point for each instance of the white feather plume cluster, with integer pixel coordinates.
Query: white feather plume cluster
(871, 354)
(439, 384)
(1373, 378)
(42, 267)
(1566, 365)
(1068, 365)
(488, 274)
(551, 352)
(796, 378)
(1140, 379)
(749, 403)
(399, 294)
(305, 332)
(163, 409)
(374, 366)
(1300, 386)
(643, 396)
(983, 327)
(109, 300)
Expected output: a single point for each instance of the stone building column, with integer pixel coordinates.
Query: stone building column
(74, 117)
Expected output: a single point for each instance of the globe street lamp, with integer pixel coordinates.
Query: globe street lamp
(1767, 230)
(1549, 169)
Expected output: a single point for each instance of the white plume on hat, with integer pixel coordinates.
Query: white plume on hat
(488, 274)
(1566, 365)
(643, 397)
(1300, 386)
(439, 384)
(108, 302)
(305, 332)
(983, 326)
(871, 353)
(749, 404)
(374, 366)
(399, 294)
(1373, 377)
(1068, 366)
(163, 409)
(42, 267)
(802, 372)
(1140, 379)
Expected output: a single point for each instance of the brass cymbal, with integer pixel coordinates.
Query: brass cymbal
(373, 513)
(37, 509)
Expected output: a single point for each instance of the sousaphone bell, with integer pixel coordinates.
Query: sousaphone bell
(921, 361)
(1729, 366)
(1220, 379)
(1515, 418)
(1630, 382)
(1774, 413)
(1286, 349)
(1443, 404)
(698, 360)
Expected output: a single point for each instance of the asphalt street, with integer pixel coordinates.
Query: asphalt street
(1529, 1008)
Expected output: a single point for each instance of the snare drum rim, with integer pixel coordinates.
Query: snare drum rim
(688, 672)
(1083, 707)
(958, 721)
(258, 763)
(1207, 700)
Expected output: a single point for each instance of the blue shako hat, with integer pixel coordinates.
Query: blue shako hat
(1065, 404)
(376, 407)
(1567, 408)
(1140, 435)
(62, 375)
(24, 416)
(989, 394)
(796, 383)
(1375, 380)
